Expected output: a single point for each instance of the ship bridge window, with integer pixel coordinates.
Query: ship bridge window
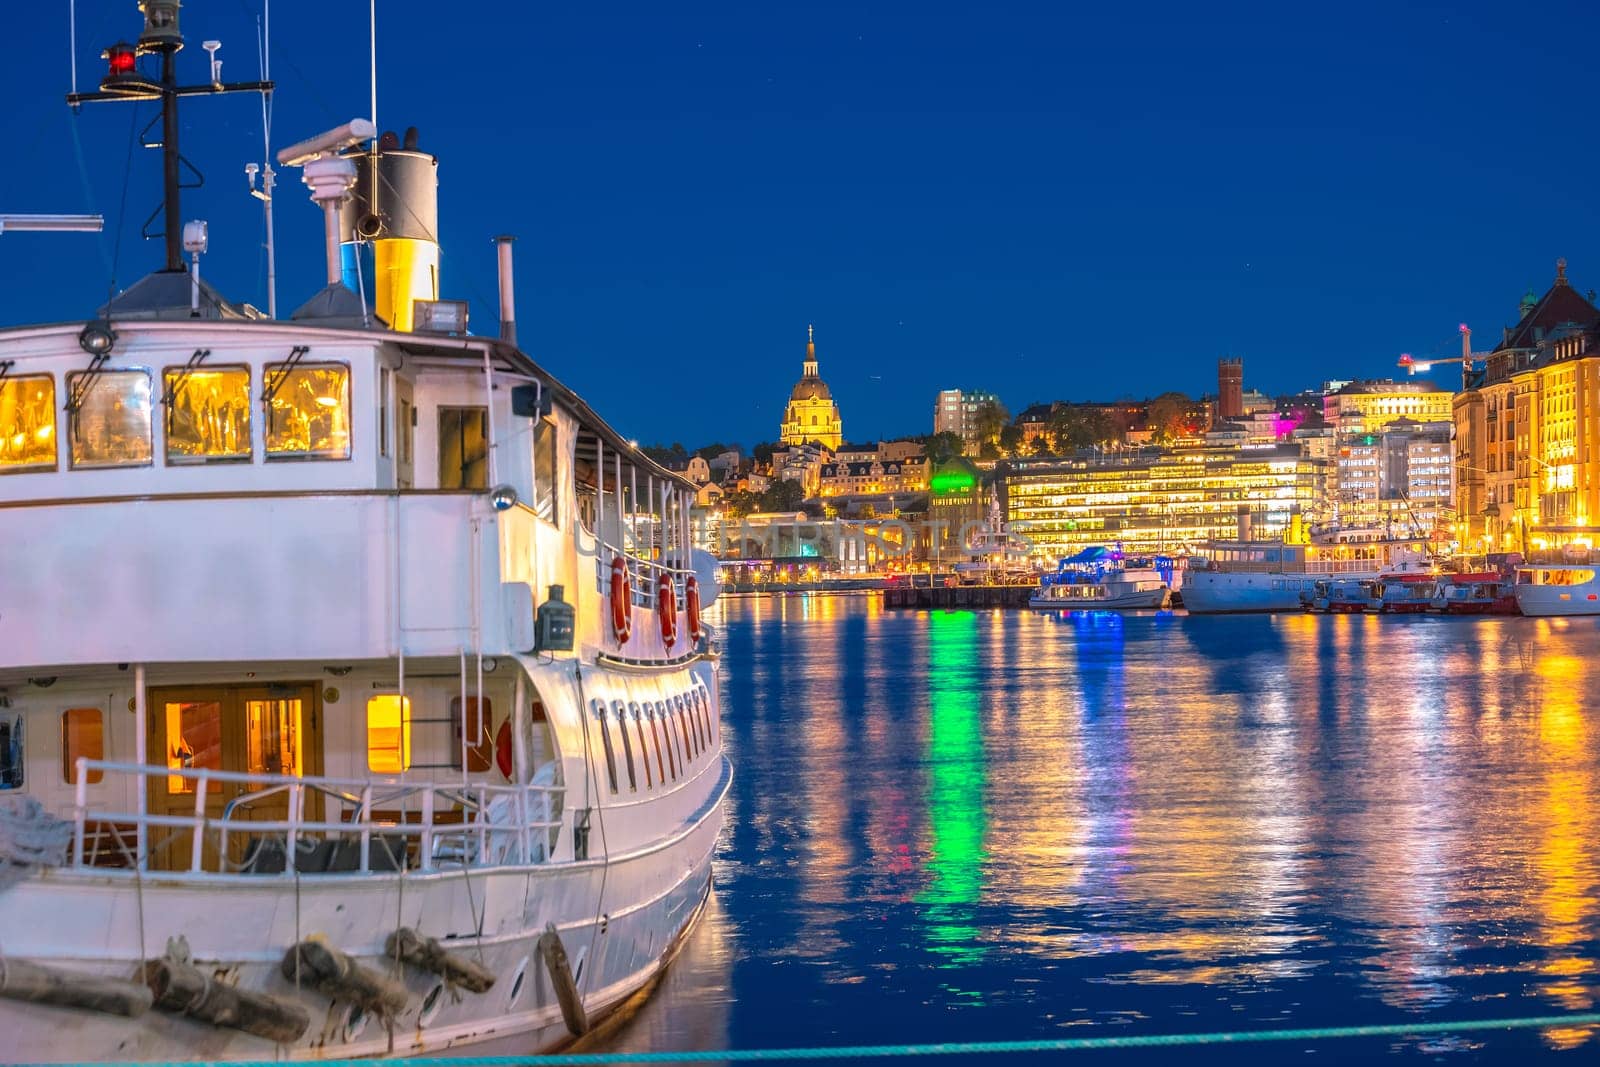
(110, 420)
(544, 471)
(388, 733)
(464, 448)
(82, 734)
(27, 423)
(208, 414)
(308, 410)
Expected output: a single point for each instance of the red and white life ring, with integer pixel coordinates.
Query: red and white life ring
(691, 607)
(667, 609)
(621, 600)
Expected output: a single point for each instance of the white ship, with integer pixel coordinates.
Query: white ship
(1097, 580)
(1247, 575)
(354, 698)
(1558, 589)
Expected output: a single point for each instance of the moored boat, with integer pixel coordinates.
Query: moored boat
(1406, 594)
(1476, 593)
(1346, 596)
(1267, 576)
(1097, 580)
(354, 690)
(1548, 589)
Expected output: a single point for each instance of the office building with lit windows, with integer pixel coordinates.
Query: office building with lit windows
(1400, 478)
(1160, 500)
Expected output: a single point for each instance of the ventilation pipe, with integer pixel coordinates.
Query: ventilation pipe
(1246, 523)
(508, 291)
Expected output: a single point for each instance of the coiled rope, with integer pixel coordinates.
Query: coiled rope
(967, 1048)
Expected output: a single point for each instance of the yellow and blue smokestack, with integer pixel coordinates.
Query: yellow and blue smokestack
(396, 209)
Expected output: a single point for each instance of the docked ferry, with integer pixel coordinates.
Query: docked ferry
(355, 697)
(1248, 575)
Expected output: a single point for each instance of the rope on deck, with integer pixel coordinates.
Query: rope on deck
(962, 1048)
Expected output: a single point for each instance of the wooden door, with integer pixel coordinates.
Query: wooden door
(405, 423)
(270, 729)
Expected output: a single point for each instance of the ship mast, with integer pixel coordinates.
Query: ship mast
(124, 81)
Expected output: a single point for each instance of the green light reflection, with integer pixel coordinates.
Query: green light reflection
(955, 787)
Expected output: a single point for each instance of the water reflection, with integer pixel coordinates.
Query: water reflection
(1155, 823)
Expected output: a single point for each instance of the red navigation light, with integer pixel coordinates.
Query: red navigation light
(120, 58)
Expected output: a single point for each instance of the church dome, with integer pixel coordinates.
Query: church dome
(810, 389)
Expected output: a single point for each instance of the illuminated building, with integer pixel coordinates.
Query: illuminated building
(1368, 406)
(1557, 489)
(811, 414)
(955, 497)
(1159, 500)
(956, 411)
(1523, 419)
(1401, 477)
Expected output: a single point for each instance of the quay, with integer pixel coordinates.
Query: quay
(957, 596)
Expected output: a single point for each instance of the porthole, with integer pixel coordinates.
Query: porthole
(431, 1005)
(516, 983)
(355, 1022)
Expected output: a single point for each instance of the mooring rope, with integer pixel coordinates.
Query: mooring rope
(963, 1048)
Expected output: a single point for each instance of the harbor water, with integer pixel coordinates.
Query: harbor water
(999, 825)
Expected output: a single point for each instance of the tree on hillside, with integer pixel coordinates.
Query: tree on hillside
(763, 451)
(987, 422)
(1041, 445)
(667, 455)
(1169, 416)
(1077, 427)
(785, 494)
(709, 452)
(1011, 439)
(941, 448)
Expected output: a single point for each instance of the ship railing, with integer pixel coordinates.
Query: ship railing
(643, 574)
(364, 826)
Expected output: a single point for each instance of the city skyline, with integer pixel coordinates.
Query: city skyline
(875, 175)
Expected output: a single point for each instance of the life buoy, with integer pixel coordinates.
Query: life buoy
(691, 607)
(503, 756)
(667, 609)
(621, 601)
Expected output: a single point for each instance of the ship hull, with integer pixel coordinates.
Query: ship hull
(1143, 600)
(620, 923)
(1221, 592)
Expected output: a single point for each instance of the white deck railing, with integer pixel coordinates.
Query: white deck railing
(483, 825)
(643, 574)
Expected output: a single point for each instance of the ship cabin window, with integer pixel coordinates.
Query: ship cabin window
(208, 414)
(307, 409)
(27, 423)
(110, 418)
(544, 471)
(388, 733)
(464, 448)
(384, 375)
(82, 735)
(11, 760)
(475, 728)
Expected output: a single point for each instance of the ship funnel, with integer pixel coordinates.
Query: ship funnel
(1246, 523)
(396, 208)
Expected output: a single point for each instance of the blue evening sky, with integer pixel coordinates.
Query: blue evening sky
(1048, 201)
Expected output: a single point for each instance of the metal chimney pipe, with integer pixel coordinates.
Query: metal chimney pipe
(508, 294)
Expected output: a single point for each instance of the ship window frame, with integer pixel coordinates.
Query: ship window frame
(70, 750)
(546, 471)
(7, 380)
(456, 434)
(404, 748)
(175, 379)
(96, 379)
(279, 374)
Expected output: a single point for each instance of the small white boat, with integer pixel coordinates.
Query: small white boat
(1558, 589)
(1096, 580)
